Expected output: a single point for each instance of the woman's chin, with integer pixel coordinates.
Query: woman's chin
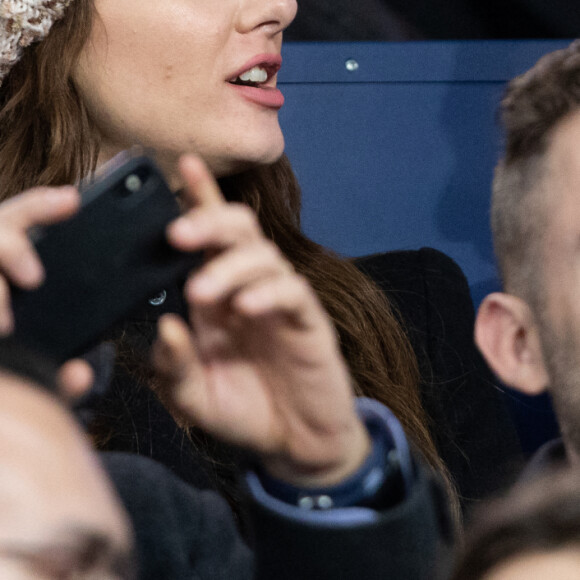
(223, 168)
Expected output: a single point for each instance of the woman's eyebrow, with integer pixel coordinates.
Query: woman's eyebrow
(75, 549)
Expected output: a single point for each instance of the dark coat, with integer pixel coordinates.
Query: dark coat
(184, 533)
(472, 428)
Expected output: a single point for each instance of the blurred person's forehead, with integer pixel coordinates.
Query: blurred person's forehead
(563, 564)
(51, 485)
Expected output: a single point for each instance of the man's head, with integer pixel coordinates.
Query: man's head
(59, 516)
(530, 334)
(532, 532)
(534, 107)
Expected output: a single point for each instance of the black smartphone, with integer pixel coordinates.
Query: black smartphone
(103, 263)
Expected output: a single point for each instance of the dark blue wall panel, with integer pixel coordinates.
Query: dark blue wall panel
(397, 151)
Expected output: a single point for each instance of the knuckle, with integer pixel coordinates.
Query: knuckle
(301, 284)
(245, 216)
(271, 251)
(12, 247)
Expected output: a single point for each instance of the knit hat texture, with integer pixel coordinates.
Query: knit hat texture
(23, 22)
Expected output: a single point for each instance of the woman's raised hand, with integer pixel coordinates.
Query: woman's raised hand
(259, 366)
(20, 265)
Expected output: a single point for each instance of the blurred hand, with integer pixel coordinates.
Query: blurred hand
(20, 265)
(262, 368)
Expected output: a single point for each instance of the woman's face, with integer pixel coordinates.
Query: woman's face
(166, 74)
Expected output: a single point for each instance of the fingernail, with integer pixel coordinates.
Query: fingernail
(184, 230)
(30, 271)
(180, 226)
(6, 323)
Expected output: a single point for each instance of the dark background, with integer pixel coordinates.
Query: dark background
(434, 19)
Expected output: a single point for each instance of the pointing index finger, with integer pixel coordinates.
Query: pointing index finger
(201, 188)
(39, 206)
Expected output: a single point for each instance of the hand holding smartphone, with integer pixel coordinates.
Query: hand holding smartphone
(103, 263)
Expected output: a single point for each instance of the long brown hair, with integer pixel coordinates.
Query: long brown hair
(47, 138)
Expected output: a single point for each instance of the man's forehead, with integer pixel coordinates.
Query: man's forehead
(33, 426)
(562, 186)
(564, 153)
(48, 472)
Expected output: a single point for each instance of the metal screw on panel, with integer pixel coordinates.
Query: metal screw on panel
(351, 65)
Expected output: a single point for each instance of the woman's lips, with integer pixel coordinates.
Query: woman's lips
(270, 62)
(261, 93)
(270, 97)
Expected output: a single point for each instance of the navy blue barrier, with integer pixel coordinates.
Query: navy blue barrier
(394, 146)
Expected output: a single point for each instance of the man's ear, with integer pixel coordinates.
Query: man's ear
(508, 337)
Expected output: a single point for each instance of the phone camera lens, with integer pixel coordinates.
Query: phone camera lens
(133, 183)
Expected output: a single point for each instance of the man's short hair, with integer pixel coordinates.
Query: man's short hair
(534, 104)
(537, 516)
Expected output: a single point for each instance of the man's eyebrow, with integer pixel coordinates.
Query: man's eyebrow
(81, 547)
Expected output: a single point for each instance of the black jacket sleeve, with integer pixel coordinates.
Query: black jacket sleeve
(184, 533)
(411, 541)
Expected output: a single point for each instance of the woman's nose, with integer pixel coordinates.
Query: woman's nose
(271, 15)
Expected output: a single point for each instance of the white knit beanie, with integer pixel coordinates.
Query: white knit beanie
(23, 22)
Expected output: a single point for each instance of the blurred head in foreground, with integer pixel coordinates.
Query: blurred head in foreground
(59, 517)
(533, 532)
